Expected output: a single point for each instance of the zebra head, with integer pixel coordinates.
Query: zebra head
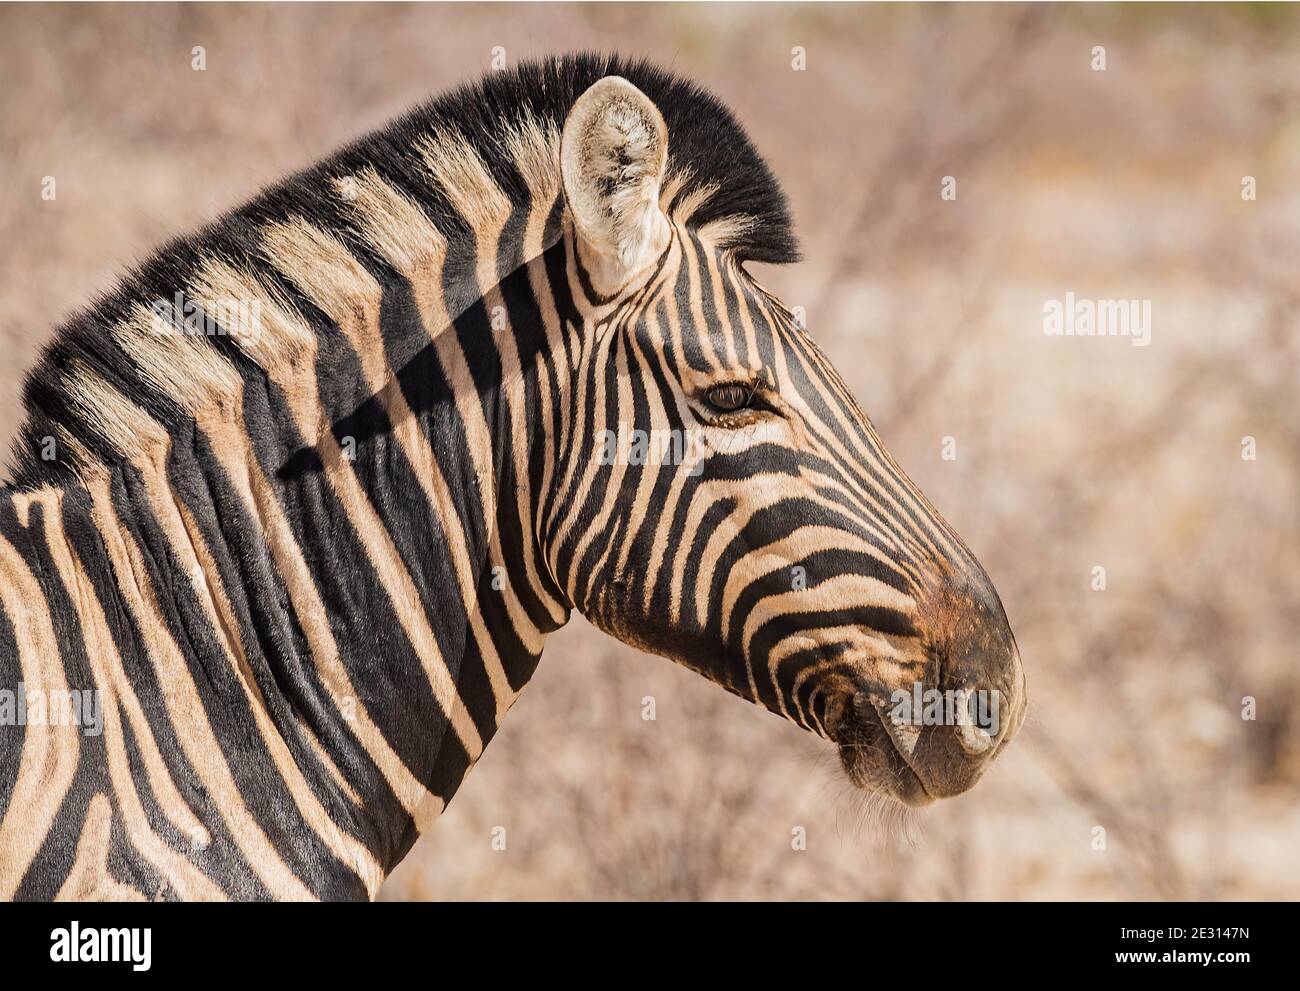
(722, 500)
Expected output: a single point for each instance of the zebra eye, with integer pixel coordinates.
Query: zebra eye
(729, 398)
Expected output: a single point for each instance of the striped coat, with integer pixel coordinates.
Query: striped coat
(296, 505)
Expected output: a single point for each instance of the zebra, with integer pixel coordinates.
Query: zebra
(299, 501)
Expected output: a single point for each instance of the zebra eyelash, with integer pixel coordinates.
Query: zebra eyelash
(737, 403)
(730, 397)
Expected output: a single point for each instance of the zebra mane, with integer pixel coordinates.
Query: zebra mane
(495, 138)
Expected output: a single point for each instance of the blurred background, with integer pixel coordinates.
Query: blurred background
(1072, 454)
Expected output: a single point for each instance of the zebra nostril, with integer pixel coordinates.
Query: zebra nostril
(977, 721)
(975, 740)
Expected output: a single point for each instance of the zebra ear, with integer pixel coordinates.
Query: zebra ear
(613, 155)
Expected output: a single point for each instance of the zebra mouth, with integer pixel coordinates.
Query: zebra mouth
(873, 759)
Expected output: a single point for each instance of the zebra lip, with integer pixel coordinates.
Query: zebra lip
(865, 731)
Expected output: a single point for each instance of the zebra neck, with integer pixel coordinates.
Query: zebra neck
(315, 542)
(315, 597)
(373, 536)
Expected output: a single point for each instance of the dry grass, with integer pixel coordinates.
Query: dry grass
(1071, 453)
